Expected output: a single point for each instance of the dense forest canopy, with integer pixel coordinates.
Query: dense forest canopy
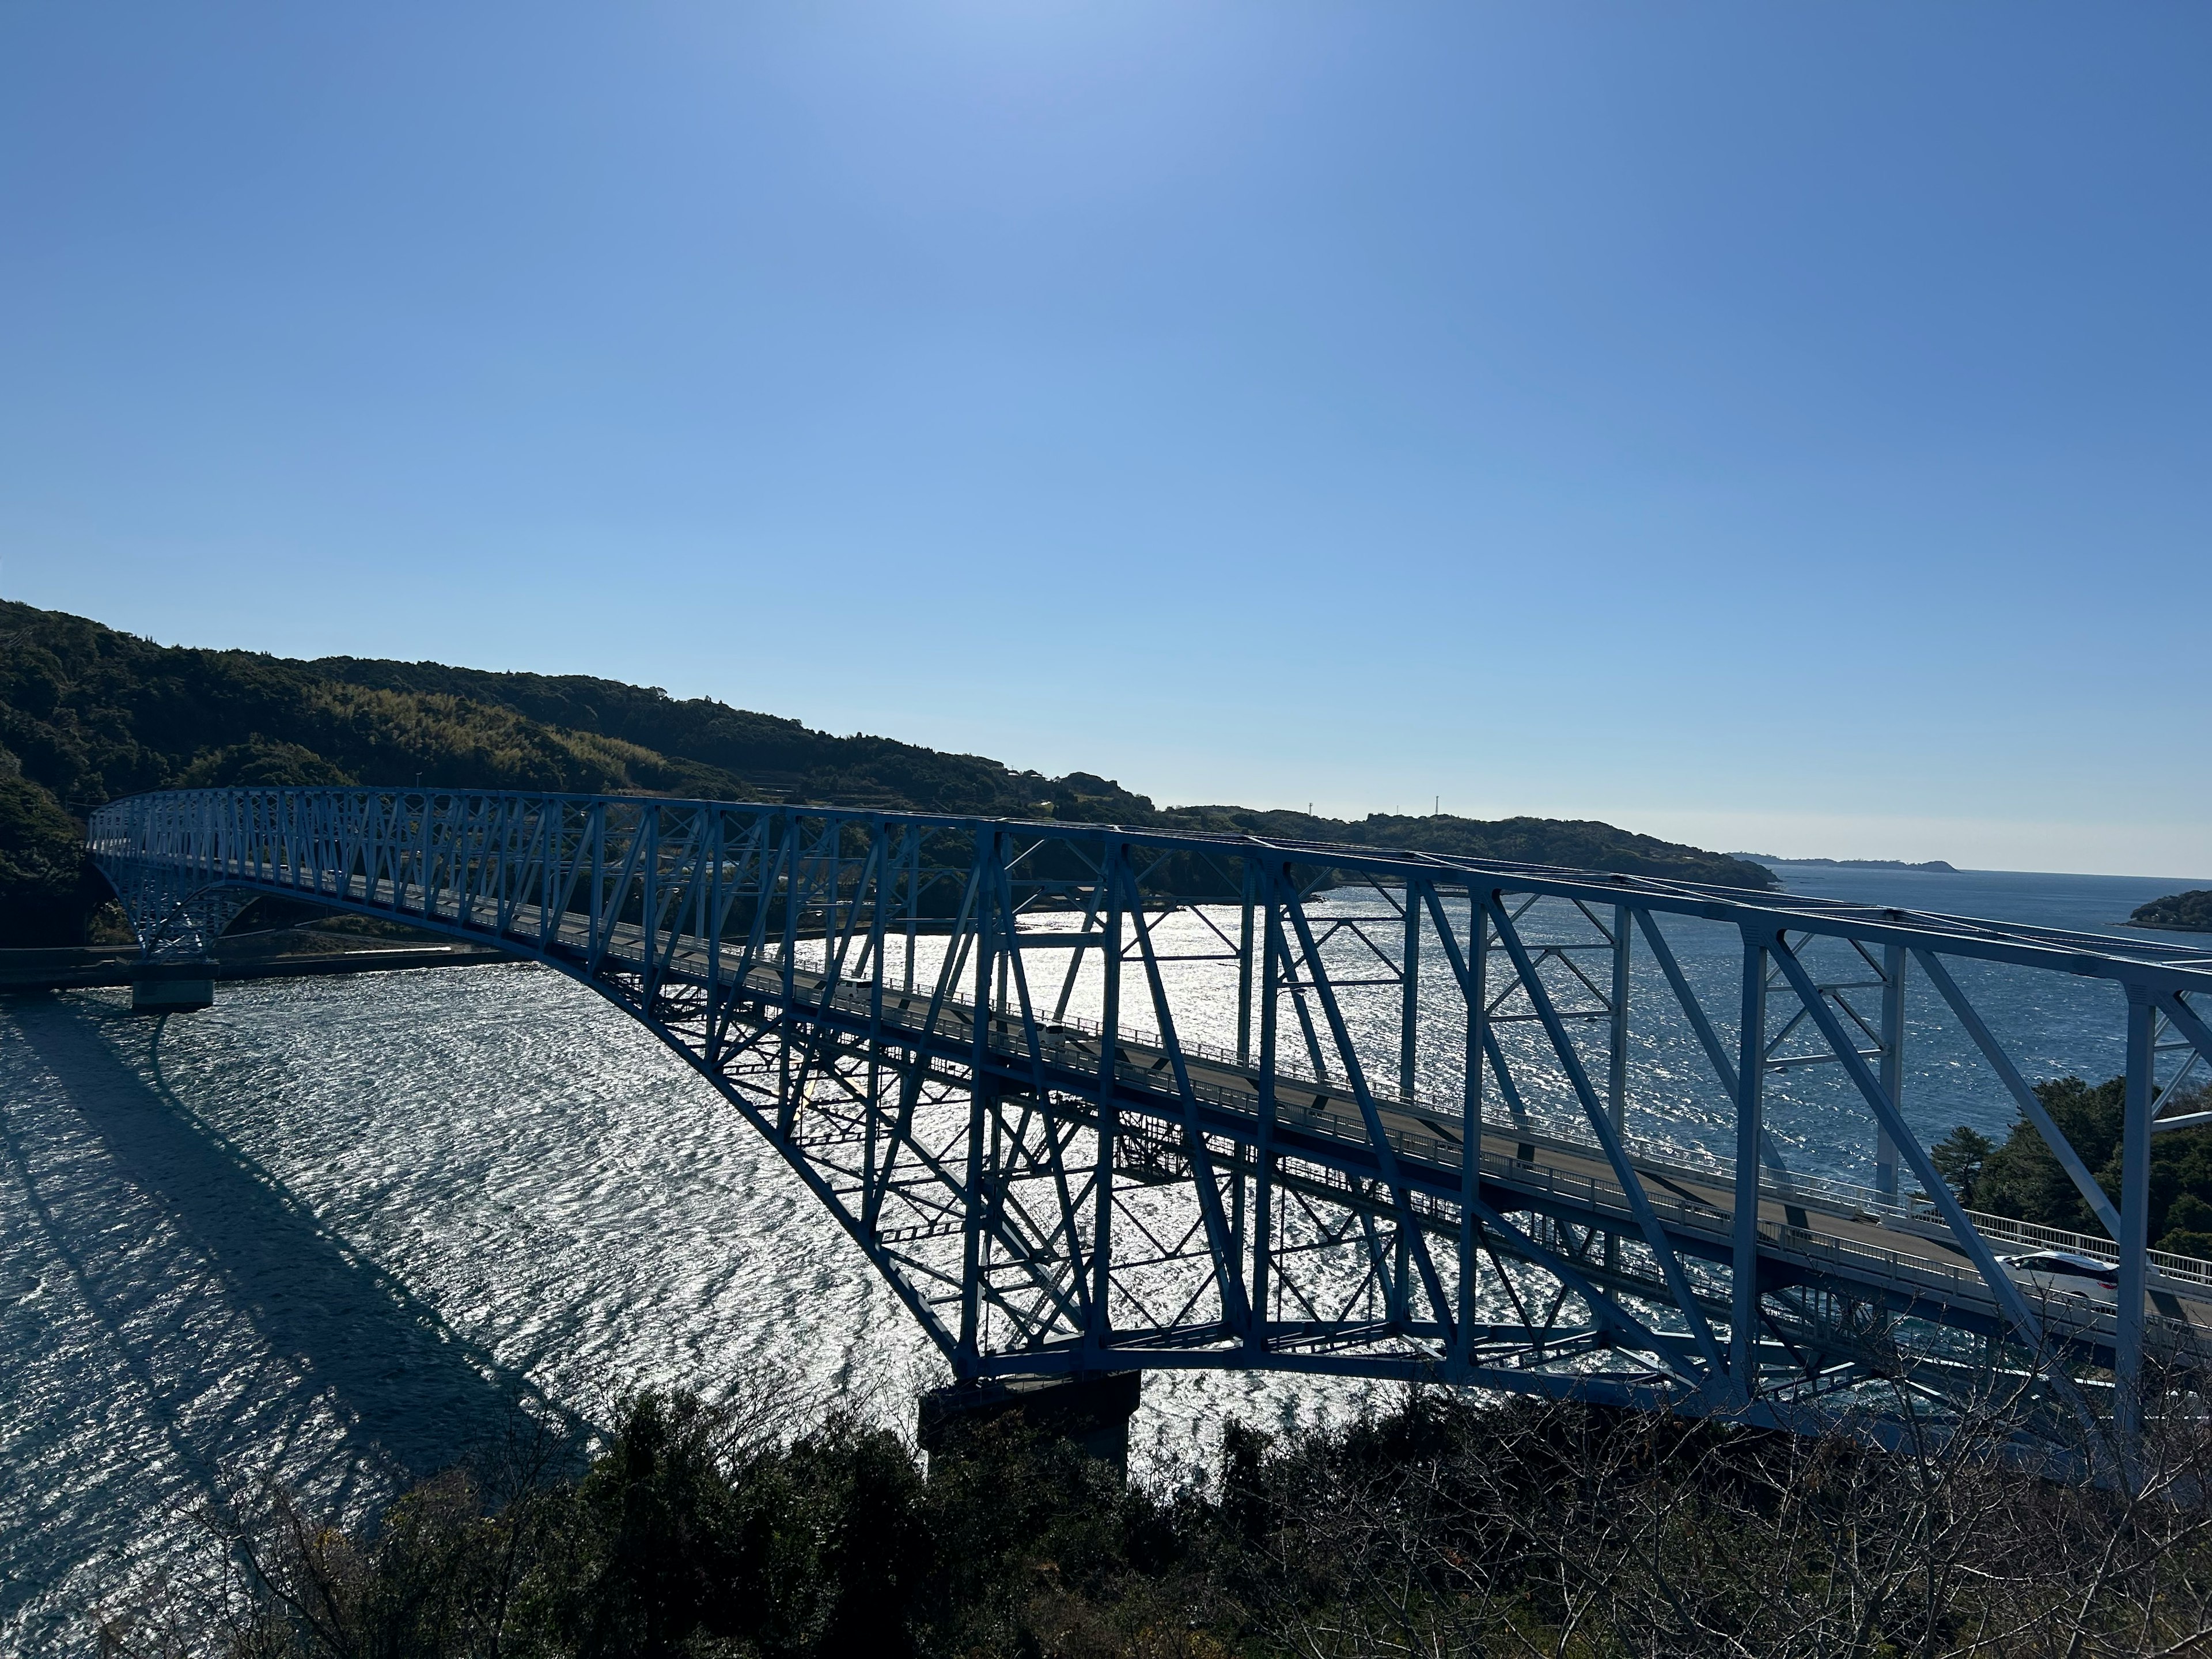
(88, 714)
(2020, 1176)
(2192, 912)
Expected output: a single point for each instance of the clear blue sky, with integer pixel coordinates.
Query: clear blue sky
(1769, 425)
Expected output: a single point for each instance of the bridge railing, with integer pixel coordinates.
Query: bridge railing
(1913, 1213)
(1527, 987)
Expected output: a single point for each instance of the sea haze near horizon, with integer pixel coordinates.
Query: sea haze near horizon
(333, 1230)
(2043, 898)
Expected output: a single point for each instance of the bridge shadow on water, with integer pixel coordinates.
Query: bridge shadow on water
(254, 1333)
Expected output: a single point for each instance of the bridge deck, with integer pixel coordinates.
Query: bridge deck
(1521, 1167)
(1050, 1196)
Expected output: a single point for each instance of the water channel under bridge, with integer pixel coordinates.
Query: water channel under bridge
(1095, 1099)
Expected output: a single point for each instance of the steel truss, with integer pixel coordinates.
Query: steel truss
(894, 1001)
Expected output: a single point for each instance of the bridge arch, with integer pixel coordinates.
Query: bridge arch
(1355, 1172)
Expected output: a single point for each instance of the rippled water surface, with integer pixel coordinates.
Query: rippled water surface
(334, 1230)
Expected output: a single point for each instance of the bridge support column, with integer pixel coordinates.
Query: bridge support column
(1094, 1412)
(171, 987)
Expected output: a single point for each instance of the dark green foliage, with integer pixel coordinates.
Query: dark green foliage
(2023, 1178)
(680, 1536)
(259, 761)
(88, 714)
(2188, 1228)
(1959, 1157)
(2191, 912)
(770, 754)
(1449, 1525)
(46, 889)
(696, 1532)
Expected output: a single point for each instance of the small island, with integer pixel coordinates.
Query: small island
(2184, 912)
(1935, 866)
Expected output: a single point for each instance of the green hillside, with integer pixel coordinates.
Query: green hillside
(2189, 913)
(88, 714)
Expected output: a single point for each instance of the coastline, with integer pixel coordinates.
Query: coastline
(91, 967)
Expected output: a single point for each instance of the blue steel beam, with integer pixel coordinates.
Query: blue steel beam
(946, 1134)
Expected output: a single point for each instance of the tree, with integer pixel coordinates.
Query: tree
(1959, 1158)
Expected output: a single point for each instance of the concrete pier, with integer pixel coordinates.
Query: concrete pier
(1094, 1412)
(171, 987)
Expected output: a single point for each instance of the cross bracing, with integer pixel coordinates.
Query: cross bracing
(1093, 1098)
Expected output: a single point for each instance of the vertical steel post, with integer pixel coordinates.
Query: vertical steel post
(787, 1018)
(913, 904)
(2135, 1218)
(971, 1257)
(1616, 1074)
(886, 883)
(714, 843)
(1409, 1000)
(1263, 1150)
(1001, 844)
(1101, 1216)
(1750, 1109)
(1245, 968)
(1616, 1067)
(1470, 1140)
(649, 863)
(1892, 1065)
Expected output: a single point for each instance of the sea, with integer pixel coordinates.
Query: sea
(339, 1233)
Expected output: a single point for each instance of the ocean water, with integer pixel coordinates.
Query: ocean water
(2051, 1024)
(336, 1232)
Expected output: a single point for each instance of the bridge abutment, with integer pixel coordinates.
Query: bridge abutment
(1093, 1411)
(171, 987)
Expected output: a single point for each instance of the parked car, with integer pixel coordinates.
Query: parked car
(2064, 1271)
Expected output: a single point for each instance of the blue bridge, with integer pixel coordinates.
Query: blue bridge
(1095, 1100)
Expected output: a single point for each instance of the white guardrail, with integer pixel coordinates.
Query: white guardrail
(1072, 1040)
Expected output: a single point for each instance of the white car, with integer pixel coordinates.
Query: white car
(2067, 1271)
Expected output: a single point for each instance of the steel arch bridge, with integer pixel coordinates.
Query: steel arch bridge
(1095, 1098)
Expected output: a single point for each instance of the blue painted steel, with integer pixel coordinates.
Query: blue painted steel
(875, 993)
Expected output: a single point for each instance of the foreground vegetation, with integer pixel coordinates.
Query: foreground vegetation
(88, 714)
(1447, 1526)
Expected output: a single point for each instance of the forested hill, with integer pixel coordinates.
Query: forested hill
(88, 714)
(2189, 912)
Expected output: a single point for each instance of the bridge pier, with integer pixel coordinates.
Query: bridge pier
(1094, 1412)
(171, 987)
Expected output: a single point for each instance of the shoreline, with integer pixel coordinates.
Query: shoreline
(96, 967)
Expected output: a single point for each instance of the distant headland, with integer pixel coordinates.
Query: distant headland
(1935, 866)
(2184, 912)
